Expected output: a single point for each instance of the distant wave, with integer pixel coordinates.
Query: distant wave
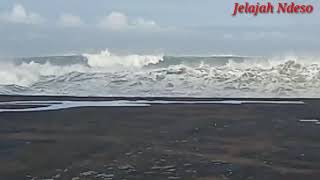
(107, 74)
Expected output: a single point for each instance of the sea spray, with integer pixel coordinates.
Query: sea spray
(106, 59)
(107, 74)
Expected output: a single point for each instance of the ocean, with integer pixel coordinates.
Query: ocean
(106, 74)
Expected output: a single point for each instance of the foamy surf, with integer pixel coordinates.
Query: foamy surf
(108, 74)
(106, 59)
(309, 120)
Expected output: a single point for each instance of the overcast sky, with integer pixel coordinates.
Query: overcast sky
(37, 27)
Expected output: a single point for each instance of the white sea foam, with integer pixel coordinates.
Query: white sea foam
(107, 74)
(218, 102)
(57, 105)
(309, 120)
(26, 74)
(107, 60)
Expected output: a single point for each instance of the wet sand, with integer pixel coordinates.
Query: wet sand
(200, 141)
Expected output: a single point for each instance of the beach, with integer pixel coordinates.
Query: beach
(254, 141)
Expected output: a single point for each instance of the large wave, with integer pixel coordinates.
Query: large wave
(107, 60)
(107, 74)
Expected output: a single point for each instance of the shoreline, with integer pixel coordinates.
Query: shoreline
(133, 98)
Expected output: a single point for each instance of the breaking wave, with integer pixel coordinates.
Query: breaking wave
(107, 60)
(107, 74)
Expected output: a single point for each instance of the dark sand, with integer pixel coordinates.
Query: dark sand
(205, 142)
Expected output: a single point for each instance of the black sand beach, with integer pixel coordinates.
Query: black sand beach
(176, 141)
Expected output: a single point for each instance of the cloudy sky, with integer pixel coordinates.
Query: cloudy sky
(37, 27)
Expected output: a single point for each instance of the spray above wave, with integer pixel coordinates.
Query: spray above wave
(107, 60)
(107, 74)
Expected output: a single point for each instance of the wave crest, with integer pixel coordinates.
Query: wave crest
(108, 60)
(106, 74)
